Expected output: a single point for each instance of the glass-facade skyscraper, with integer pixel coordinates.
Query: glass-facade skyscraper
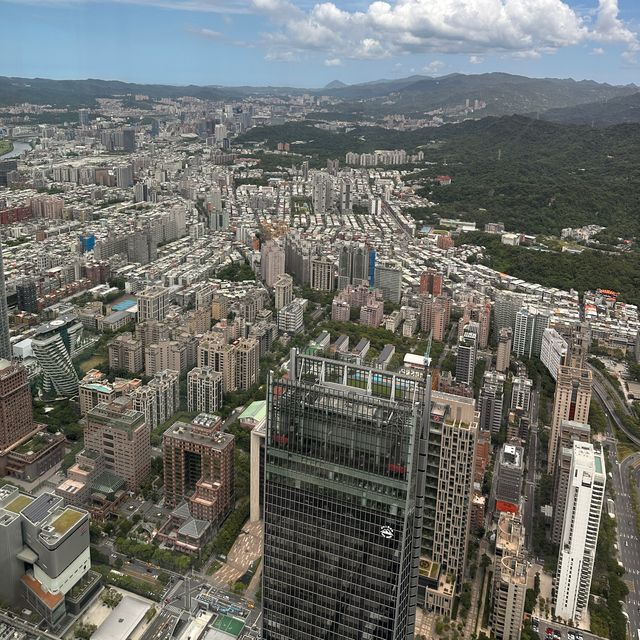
(343, 496)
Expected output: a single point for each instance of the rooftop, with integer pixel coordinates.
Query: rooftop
(67, 519)
(255, 411)
(19, 503)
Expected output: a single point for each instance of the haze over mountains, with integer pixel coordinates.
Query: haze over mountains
(582, 101)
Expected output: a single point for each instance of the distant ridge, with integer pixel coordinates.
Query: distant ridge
(335, 84)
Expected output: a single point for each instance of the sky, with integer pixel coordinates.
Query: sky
(302, 43)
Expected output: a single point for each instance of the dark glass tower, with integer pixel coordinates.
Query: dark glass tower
(344, 487)
(5, 344)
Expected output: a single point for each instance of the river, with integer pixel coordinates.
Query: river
(18, 147)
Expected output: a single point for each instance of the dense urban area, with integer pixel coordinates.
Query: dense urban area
(279, 367)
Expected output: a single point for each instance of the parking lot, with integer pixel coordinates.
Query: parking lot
(548, 630)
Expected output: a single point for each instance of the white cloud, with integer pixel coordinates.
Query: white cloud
(210, 34)
(384, 28)
(597, 51)
(433, 67)
(332, 62)
(476, 59)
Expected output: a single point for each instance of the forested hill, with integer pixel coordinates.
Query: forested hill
(534, 176)
(599, 114)
(503, 93)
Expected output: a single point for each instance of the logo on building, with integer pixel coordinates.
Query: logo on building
(386, 532)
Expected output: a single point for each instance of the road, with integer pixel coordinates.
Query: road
(628, 543)
(627, 535)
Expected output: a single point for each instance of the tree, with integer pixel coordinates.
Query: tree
(84, 631)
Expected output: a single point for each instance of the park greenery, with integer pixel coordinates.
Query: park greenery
(236, 272)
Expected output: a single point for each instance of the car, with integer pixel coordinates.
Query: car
(571, 635)
(131, 507)
(549, 631)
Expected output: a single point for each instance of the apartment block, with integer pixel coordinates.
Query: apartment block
(571, 401)
(153, 303)
(120, 434)
(204, 390)
(126, 354)
(198, 468)
(585, 496)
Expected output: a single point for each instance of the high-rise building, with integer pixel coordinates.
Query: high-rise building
(466, 357)
(340, 310)
(16, 413)
(431, 282)
(571, 401)
(353, 265)
(126, 354)
(215, 353)
(271, 262)
(435, 316)
(122, 437)
(570, 432)
(554, 351)
(585, 496)
(198, 468)
(291, 317)
(503, 357)
(509, 471)
(204, 390)
(247, 363)
(54, 344)
(530, 325)
(449, 458)
(169, 354)
(5, 342)
(388, 278)
(372, 314)
(510, 578)
(340, 558)
(521, 389)
(27, 295)
(322, 273)
(490, 401)
(283, 290)
(507, 304)
(158, 400)
(153, 303)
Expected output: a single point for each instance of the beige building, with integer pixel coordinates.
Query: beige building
(215, 353)
(571, 402)
(120, 434)
(504, 349)
(198, 321)
(271, 262)
(153, 303)
(247, 363)
(448, 495)
(283, 289)
(95, 389)
(204, 390)
(160, 399)
(509, 578)
(170, 354)
(126, 354)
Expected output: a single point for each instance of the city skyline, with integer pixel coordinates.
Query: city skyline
(277, 42)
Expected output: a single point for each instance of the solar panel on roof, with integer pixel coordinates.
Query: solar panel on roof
(41, 507)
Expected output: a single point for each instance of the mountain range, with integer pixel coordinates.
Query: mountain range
(560, 100)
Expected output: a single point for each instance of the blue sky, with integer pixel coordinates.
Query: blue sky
(306, 44)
